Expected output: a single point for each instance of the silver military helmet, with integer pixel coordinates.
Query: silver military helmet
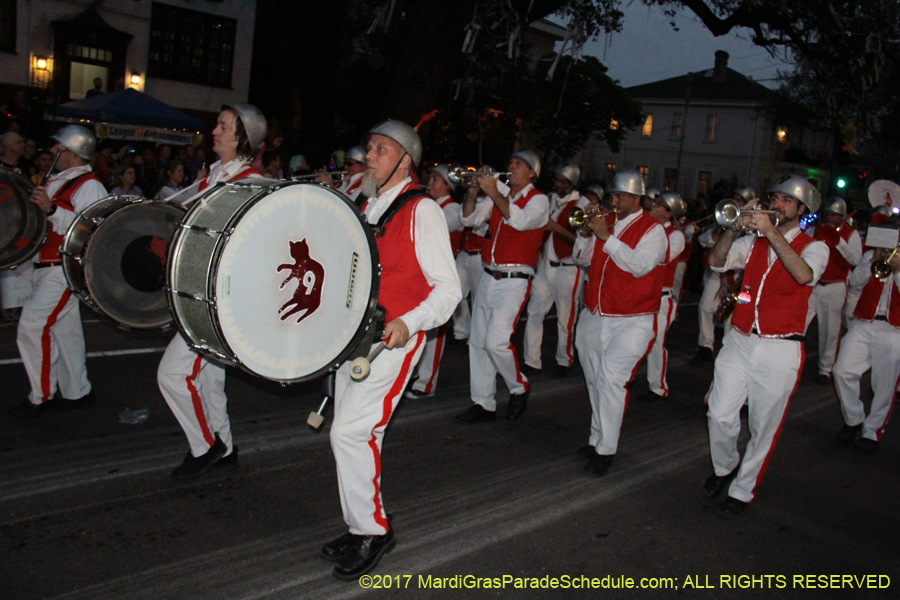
(682, 206)
(799, 188)
(530, 158)
(882, 210)
(357, 153)
(596, 189)
(673, 202)
(746, 193)
(76, 139)
(567, 170)
(403, 134)
(836, 205)
(253, 120)
(652, 193)
(628, 181)
(443, 172)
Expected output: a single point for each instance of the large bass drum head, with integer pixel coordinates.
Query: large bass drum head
(22, 224)
(125, 263)
(297, 282)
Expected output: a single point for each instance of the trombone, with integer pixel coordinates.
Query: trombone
(578, 218)
(881, 270)
(729, 215)
(457, 175)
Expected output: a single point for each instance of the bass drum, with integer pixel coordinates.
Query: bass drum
(114, 258)
(279, 278)
(23, 226)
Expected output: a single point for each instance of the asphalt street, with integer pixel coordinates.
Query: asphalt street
(88, 509)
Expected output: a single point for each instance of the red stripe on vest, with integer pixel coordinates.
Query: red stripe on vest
(236, 177)
(46, 344)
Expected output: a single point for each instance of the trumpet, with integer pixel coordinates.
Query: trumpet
(881, 270)
(457, 175)
(729, 215)
(703, 222)
(578, 218)
(340, 175)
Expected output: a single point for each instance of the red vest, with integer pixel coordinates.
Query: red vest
(670, 263)
(510, 246)
(403, 285)
(62, 199)
(562, 248)
(612, 291)
(688, 243)
(838, 268)
(779, 302)
(868, 301)
(237, 176)
(471, 242)
(455, 236)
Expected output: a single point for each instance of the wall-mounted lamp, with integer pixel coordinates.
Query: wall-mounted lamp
(782, 134)
(41, 70)
(40, 63)
(135, 77)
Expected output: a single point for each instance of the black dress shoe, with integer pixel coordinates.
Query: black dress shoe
(529, 370)
(195, 466)
(714, 484)
(227, 461)
(599, 464)
(733, 506)
(586, 451)
(823, 379)
(362, 554)
(336, 549)
(847, 434)
(84, 402)
(27, 411)
(476, 414)
(865, 446)
(517, 405)
(652, 397)
(561, 372)
(704, 355)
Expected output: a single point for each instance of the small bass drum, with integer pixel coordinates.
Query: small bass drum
(279, 278)
(114, 259)
(23, 226)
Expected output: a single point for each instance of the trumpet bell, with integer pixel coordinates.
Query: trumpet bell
(729, 215)
(578, 218)
(881, 270)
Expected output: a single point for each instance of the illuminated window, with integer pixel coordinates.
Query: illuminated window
(676, 126)
(647, 130)
(610, 170)
(710, 128)
(613, 124)
(645, 172)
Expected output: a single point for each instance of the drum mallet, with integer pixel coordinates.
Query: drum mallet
(361, 367)
(316, 419)
(359, 370)
(59, 151)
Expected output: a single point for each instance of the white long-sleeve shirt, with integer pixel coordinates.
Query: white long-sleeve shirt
(557, 204)
(860, 275)
(89, 192)
(815, 254)
(452, 213)
(217, 172)
(435, 259)
(649, 252)
(850, 249)
(532, 216)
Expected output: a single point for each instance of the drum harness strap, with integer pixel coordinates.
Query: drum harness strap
(395, 207)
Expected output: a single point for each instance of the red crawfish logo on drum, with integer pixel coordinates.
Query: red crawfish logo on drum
(310, 276)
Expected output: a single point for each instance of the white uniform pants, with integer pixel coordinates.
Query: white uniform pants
(553, 285)
(826, 303)
(764, 372)
(430, 363)
(362, 410)
(874, 345)
(498, 305)
(709, 302)
(658, 358)
(469, 268)
(678, 284)
(194, 388)
(853, 295)
(610, 350)
(51, 340)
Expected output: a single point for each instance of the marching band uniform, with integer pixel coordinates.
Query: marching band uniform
(429, 364)
(873, 341)
(657, 358)
(193, 386)
(618, 322)
(351, 186)
(557, 281)
(468, 264)
(828, 297)
(761, 357)
(50, 336)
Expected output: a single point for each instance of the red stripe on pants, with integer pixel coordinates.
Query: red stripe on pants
(386, 404)
(46, 344)
(198, 403)
(512, 348)
(571, 324)
(436, 363)
(634, 371)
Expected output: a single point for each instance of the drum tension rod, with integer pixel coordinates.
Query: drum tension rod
(206, 230)
(189, 296)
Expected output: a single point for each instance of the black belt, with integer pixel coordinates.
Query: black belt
(45, 265)
(504, 275)
(667, 293)
(553, 263)
(472, 252)
(793, 338)
(881, 317)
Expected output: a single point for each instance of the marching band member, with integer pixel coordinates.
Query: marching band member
(621, 301)
(558, 278)
(715, 286)
(419, 290)
(468, 264)
(355, 165)
(666, 209)
(517, 218)
(50, 336)
(827, 299)
(193, 386)
(440, 187)
(762, 354)
(688, 230)
(872, 342)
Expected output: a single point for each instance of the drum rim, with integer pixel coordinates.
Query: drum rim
(264, 191)
(38, 240)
